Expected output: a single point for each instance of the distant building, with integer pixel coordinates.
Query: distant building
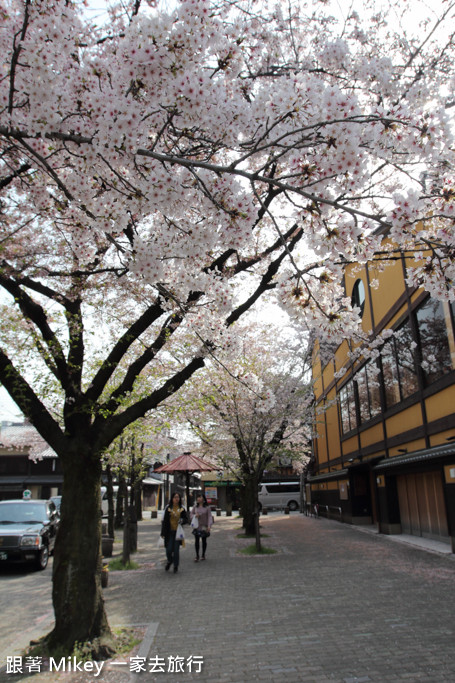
(385, 447)
(27, 463)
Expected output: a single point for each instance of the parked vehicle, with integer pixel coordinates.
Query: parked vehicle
(57, 500)
(104, 499)
(28, 529)
(279, 494)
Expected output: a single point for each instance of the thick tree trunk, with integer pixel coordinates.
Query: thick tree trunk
(77, 596)
(111, 507)
(250, 505)
(138, 500)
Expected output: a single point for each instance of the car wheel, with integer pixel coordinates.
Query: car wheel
(42, 558)
(259, 507)
(293, 505)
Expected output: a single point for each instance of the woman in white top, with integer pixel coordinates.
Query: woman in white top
(201, 521)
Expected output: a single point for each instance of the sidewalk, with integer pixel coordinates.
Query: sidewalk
(333, 605)
(427, 544)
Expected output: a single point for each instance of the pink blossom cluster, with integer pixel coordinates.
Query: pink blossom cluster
(162, 141)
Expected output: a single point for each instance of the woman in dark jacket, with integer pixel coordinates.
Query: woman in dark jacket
(174, 514)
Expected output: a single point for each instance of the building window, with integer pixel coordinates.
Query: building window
(347, 407)
(368, 391)
(360, 398)
(390, 374)
(362, 390)
(358, 295)
(374, 388)
(433, 340)
(405, 349)
(399, 366)
(450, 317)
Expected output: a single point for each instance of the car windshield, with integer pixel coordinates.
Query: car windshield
(21, 513)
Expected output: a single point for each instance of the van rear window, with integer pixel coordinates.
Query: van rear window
(283, 488)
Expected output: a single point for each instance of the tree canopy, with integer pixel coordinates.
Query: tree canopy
(152, 164)
(252, 408)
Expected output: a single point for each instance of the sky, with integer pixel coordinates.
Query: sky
(8, 409)
(96, 9)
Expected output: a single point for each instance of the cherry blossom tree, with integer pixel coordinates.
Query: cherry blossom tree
(149, 165)
(252, 408)
(128, 458)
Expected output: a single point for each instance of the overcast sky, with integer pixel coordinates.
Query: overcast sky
(96, 10)
(8, 409)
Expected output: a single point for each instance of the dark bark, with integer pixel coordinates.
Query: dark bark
(77, 596)
(110, 502)
(136, 484)
(250, 509)
(126, 548)
(138, 499)
(122, 494)
(89, 427)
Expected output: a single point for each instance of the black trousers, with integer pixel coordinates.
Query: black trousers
(197, 540)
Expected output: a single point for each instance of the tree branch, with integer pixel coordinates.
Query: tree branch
(266, 280)
(111, 427)
(33, 312)
(29, 404)
(15, 57)
(169, 327)
(150, 315)
(4, 182)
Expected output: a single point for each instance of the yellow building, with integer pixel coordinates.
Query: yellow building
(384, 451)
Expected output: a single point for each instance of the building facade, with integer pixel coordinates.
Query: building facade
(27, 463)
(384, 447)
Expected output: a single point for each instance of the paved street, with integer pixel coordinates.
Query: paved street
(335, 604)
(25, 605)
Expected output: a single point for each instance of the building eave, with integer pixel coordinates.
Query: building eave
(328, 476)
(434, 453)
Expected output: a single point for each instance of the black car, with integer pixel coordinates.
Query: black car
(27, 531)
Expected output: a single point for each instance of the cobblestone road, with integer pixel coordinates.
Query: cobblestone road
(332, 605)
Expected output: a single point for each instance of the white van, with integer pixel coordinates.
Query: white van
(104, 500)
(279, 494)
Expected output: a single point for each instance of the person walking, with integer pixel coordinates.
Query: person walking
(201, 521)
(174, 515)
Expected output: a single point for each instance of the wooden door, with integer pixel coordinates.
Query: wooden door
(422, 507)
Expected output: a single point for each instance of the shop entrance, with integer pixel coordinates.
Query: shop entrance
(422, 506)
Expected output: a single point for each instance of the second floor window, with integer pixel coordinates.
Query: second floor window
(368, 388)
(433, 340)
(426, 340)
(399, 366)
(347, 407)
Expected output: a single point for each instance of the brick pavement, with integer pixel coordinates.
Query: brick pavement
(333, 605)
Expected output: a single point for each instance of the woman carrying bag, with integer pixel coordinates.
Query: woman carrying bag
(174, 517)
(201, 522)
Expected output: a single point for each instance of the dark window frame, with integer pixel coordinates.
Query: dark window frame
(441, 369)
(349, 403)
(358, 296)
